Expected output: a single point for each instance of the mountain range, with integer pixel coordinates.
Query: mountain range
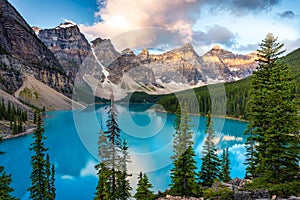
(60, 58)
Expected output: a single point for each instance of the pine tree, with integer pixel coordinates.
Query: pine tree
(103, 187)
(210, 161)
(39, 184)
(183, 174)
(48, 176)
(143, 191)
(113, 135)
(35, 116)
(50, 179)
(103, 148)
(273, 142)
(183, 135)
(5, 181)
(250, 153)
(52, 191)
(123, 185)
(225, 167)
(112, 169)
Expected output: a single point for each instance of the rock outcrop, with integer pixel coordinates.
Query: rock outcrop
(68, 45)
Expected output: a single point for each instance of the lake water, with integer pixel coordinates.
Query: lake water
(72, 142)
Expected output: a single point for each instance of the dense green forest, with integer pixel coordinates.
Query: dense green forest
(237, 94)
(16, 116)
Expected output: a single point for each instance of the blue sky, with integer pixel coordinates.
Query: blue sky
(48, 14)
(237, 25)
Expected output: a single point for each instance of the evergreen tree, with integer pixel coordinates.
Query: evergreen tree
(35, 116)
(273, 142)
(40, 188)
(48, 176)
(112, 169)
(52, 183)
(210, 161)
(113, 135)
(123, 184)
(103, 148)
(183, 135)
(5, 181)
(225, 166)
(103, 187)
(143, 191)
(50, 179)
(183, 175)
(5, 189)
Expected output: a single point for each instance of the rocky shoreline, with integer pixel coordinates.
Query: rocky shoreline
(27, 132)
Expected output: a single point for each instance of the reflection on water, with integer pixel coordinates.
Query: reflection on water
(73, 148)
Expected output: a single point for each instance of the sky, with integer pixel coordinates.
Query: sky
(236, 25)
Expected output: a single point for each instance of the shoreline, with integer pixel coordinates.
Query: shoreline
(27, 132)
(199, 115)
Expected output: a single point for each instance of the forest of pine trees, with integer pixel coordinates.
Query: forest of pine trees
(16, 116)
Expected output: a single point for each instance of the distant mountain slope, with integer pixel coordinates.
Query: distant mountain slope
(236, 93)
(176, 70)
(22, 52)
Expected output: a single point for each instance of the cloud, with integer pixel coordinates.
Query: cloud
(287, 14)
(246, 48)
(291, 45)
(89, 169)
(176, 17)
(242, 7)
(121, 16)
(216, 34)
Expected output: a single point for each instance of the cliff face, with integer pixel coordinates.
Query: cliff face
(230, 66)
(104, 51)
(22, 52)
(68, 45)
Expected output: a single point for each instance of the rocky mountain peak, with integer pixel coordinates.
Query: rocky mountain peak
(98, 41)
(36, 29)
(218, 51)
(216, 48)
(183, 49)
(144, 52)
(66, 25)
(68, 44)
(127, 52)
(185, 52)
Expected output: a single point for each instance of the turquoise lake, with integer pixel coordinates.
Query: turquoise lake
(72, 142)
